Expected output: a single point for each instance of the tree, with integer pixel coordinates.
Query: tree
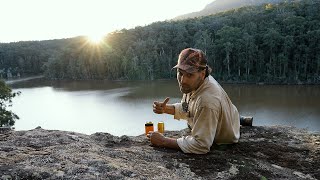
(271, 40)
(227, 38)
(275, 43)
(7, 117)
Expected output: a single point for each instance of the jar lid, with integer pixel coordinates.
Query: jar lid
(149, 123)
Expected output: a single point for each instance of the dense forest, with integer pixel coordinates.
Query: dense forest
(217, 6)
(277, 43)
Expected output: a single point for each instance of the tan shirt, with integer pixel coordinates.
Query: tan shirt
(212, 117)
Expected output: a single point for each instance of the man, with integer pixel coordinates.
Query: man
(205, 105)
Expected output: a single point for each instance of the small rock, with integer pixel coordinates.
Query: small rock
(38, 127)
(133, 175)
(233, 170)
(97, 174)
(73, 137)
(45, 175)
(124, 138)
(169, 165)
(127, 173)
(160, 167)
(6, 177)
(4, 130)
(60, 174)
(276, 166)
(301, 175)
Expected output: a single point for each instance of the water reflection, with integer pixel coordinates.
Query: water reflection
(123, 107)
(292, 105)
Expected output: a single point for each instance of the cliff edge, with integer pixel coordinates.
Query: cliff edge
(262, 153)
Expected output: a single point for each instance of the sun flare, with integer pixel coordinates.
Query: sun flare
(96, 38)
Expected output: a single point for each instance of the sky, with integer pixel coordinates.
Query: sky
(23, 20)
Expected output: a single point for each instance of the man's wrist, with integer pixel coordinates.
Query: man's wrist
(170, 143)
(164, 142)
(169, 109)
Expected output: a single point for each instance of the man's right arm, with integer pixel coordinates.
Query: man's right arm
(163, 107)
(173, 109)
(169, 109)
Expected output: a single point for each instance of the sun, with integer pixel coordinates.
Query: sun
(96, 38)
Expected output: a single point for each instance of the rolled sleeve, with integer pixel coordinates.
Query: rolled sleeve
(189, 144)
(202, 134)
(178, 112)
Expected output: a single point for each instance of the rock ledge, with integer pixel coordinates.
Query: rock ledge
(262, 153)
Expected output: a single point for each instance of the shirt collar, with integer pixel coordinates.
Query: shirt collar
(201, 87)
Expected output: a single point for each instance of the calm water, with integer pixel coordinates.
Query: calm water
(123, 107)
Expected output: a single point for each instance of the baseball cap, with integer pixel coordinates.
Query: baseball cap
(191, 60)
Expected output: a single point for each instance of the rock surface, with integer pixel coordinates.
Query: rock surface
(262, 153)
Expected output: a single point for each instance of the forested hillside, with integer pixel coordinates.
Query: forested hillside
(268, 43)
(27, 58)
(222, 5)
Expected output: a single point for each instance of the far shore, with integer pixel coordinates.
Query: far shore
(14, 80)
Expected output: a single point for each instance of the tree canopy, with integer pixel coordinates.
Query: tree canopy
(271, 43)
(7, 117)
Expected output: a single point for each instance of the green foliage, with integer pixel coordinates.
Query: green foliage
(278, 43)
(6, 95)
(263, 178)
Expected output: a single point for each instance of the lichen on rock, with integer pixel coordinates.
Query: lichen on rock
(262, 153)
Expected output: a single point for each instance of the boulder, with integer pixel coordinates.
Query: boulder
(262, 153)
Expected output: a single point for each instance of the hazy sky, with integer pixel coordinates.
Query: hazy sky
(53, 19)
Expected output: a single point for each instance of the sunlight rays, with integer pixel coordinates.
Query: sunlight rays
(95, 38)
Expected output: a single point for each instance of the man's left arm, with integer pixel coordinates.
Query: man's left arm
(202, 134)
(200, 140)
(157, 139)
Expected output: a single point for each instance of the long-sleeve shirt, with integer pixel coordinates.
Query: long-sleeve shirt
(212, 117)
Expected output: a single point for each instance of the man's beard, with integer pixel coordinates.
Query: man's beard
(187, 89)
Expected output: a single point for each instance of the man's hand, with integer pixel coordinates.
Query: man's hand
(160, 107)
(156, 138)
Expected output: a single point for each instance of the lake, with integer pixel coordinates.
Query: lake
(122, 108)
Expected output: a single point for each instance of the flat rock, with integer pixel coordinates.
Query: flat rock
(262, 153)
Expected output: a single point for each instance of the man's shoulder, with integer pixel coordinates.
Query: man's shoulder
(211, 95)
(212, 89)
(209, 100)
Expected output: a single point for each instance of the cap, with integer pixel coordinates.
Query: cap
(191, 60)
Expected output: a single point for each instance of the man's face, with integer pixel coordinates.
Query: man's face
(189, 82)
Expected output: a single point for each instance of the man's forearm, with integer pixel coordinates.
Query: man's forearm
(170, 143)
(158, 139)
(170, 109)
